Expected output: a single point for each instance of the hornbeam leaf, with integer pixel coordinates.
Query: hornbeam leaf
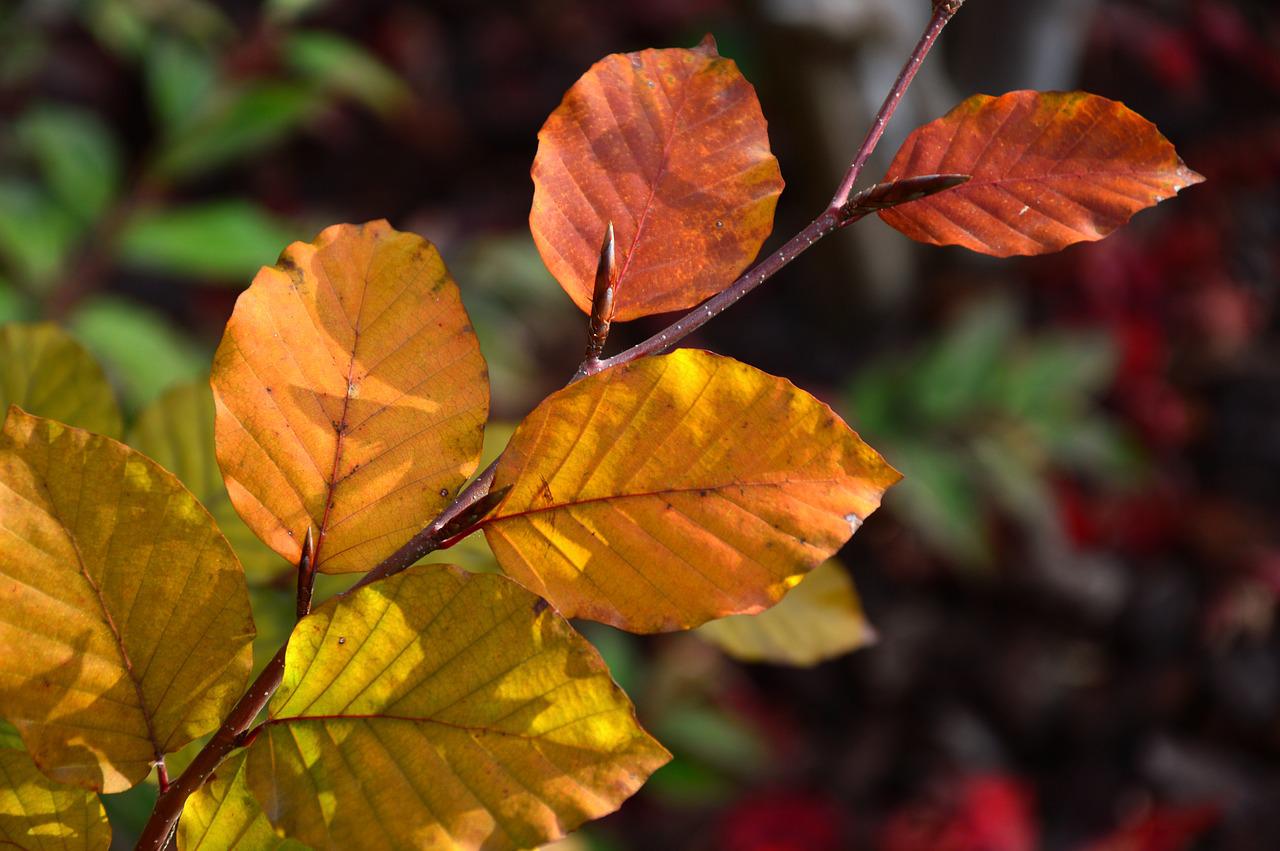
(819, 619)
(350, 395)
(123, 612)
(664, 493)
(1047, 169)
(39, 815)
(45, 371)
(176, 431)
(441, 709)
(670, 146)
(222, 815)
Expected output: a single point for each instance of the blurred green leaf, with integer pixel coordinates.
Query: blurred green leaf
(9, 737)
(940, 499)
(76, 154)
(712, 737)
(619, 650)
(127, 27)
(1054, 376)
(282, 11)
(14, 306)
(343, 67)
(47, 373)
(239, 122)
(687, 783)
(1095, 445)
(128, 813)
(1014, 473)
(36, 234)
(226, 240)
(953, 376)
(137, 346)
(180, 80)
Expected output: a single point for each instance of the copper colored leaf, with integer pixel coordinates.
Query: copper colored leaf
(1048, 169)
(350, 395)
(819, 619)
(441, 709)
(661, 494)
(129, 609)
(671, 146)
(37, 814)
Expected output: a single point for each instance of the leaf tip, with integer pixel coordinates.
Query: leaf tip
(708, 46)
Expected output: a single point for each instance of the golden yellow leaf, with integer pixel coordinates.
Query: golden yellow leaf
(130, 609)
(44, 371)
(176, 431)
(672, 490)
(441, 709)
(39, 815)
(223, 815)
(819, 619)
(351, 395)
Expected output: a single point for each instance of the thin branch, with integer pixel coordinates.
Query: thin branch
(943, 11)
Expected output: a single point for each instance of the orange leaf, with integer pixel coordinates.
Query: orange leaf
(671, 146)
(351, 395)
(658, 495)
(1049, 169)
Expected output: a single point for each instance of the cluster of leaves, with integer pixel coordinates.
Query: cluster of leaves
(429, 706)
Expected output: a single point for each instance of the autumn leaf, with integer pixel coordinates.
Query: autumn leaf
(222, 815)
(1048, 169)
(176, 431)
(819, 619)
(44, 371)
(37, 814)
(670, 146)
(660, 494)
(441, 709)
(350, 395)
(129, 608)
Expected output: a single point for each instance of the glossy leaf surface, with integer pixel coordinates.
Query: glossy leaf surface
(44, 371)
(440, 709)
(350, 395)
(129, 608)
(819, 619)
(673, 490)
(671, 146)
(37, 814)
(1048, 169)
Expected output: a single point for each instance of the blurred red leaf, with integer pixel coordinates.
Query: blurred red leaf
(781, 822)
(671, 146)
(1160, 829)
(986, 813)
(1048, 169)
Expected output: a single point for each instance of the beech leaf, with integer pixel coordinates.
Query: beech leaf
(819, 619)
(37, 814)
(45, 371)
(350, 395)
(176, 431)
(670, 146)
(1047, 169)
(672, 490)
(441, 709)
(222, 815)
(128, 605)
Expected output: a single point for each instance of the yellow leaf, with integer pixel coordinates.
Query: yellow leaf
(222, 815)
(819, 619)
(441, 709)
(673, 490)
(38, 815)
(43, 370)
(130, 609)
(176, 431)
(351, 395)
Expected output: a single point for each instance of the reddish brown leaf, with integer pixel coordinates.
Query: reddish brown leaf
(671, 146)
(1048, 169)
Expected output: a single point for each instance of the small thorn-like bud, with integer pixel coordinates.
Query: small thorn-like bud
(602, 298)
(306, 574)
(882, 196)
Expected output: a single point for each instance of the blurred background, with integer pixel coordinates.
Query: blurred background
(1075, 587)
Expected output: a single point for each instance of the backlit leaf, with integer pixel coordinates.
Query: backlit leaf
(222, 815)
(46, 372)
(176, 431)
(350, 395)
(671, 146)
(37, 814)
(819, 619)
(672, 490)
(1048, 169)
(128, 606)
(441, 709)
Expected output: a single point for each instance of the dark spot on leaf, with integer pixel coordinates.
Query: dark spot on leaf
(342, 639)
(444, 492)
(539, 606)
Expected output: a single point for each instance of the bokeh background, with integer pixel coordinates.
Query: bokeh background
(1074, 589)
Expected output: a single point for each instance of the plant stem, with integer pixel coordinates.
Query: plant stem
(475, 500)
